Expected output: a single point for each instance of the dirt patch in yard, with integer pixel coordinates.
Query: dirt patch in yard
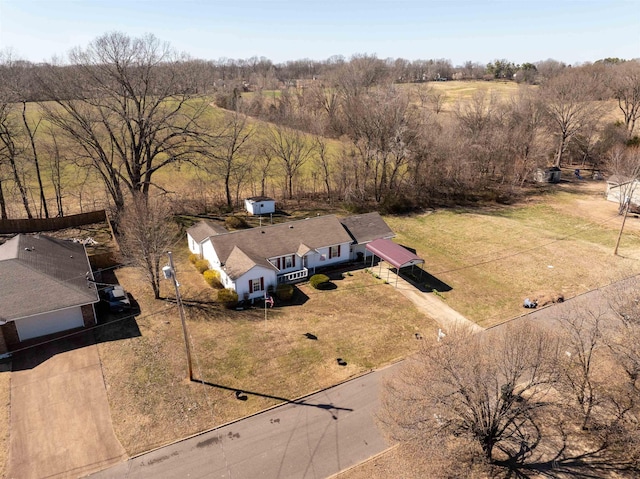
(363, 321)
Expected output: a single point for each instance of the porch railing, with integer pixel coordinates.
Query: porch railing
(293, 276)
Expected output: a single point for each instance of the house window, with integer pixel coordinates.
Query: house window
(334, 251)
(289, 262)
(256, 284)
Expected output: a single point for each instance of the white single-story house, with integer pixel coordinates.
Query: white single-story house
(260, 205)
(364, 229)
(619, 188)
(251, 261)
(46, 286)
(199, 233)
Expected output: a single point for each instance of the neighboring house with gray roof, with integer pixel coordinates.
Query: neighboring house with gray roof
(200, 232)
(364, 229)
(250, 261)
(46, 286)
(620, 188)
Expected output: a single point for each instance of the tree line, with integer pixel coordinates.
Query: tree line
(123, 109)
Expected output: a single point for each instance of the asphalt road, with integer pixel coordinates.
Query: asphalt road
(315, 437)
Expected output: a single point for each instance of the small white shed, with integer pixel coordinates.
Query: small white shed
(260, 205)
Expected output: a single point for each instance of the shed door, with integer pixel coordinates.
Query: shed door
(49, 323)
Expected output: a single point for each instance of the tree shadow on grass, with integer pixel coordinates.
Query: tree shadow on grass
(590, 465)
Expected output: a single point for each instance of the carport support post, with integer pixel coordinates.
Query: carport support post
(181, 309)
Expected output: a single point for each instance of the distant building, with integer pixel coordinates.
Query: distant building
(260, 205)
(547, 175)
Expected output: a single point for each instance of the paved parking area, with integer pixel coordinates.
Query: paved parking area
(60, 419)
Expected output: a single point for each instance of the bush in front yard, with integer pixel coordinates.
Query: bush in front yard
(193, 258)
(228, 297)
(235, 223)
(212, 277)
(201, 265)
(319, 281)
(284, 292)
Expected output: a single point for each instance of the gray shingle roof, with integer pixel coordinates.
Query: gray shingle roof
(203, 229)
(258, 244)
(367, 227)
(40, 274)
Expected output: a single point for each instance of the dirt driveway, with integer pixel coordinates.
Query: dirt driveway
(60, 421)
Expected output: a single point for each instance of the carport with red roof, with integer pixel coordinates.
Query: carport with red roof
(394, 254)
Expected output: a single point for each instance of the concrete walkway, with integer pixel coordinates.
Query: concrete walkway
(429, 303)
(60, 418)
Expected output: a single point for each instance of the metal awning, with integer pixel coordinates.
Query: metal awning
(393, 253)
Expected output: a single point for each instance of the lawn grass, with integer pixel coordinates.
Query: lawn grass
(273, 361)
(494, 257)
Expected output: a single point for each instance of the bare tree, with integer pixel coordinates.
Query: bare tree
(12, 152)
(147, 232)
(626, 90)
(225, 154)
(31, 134)
(292, 148)
(485, 388)
(571, 106)
(624, 163)
(127, 104)
(582, 340)
(324, 162)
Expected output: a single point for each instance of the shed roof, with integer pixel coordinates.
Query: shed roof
(255, 199)
(367, 227)
(203, 229)
(56, 269)
(618, 179)
(393, 253)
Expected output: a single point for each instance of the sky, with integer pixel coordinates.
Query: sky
(571, 31)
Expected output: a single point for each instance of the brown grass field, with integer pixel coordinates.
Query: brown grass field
(152, 403)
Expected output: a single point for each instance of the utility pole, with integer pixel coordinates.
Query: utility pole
(624, 219)
(170, 273)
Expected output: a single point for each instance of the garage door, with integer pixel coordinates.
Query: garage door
(49, 323)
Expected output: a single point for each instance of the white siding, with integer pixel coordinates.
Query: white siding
(194, 246)
(321, 258)
(242, 283)
(260, 207)
(210, 255)
(48, 323)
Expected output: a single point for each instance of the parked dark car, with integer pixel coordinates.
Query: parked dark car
(116, 297)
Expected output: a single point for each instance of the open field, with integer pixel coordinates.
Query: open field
(272, 360)
(493, 258)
